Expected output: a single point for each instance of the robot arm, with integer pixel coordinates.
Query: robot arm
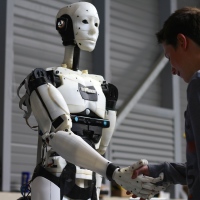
(81, 154)
(107, 132)
(111, 94)
(48, 105)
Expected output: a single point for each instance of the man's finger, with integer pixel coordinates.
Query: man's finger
(135, 174)
(142, 170)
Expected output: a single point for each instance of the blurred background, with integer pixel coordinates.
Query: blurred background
(151, 102)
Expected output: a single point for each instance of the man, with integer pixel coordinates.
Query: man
(180, 38)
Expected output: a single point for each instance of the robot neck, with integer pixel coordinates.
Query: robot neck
(71, 57)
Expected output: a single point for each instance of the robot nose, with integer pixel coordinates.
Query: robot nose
(92, 30)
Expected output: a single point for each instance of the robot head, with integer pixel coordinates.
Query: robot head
(78, 24)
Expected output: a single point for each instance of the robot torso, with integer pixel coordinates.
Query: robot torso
(81, 91)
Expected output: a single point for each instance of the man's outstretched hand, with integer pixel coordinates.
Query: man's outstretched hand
(141, 170)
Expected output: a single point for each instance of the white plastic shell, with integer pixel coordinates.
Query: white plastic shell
(78, 152)
(47, 104)
(107, 132)
(85, 23)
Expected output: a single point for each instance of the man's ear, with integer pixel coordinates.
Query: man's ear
(182, 40)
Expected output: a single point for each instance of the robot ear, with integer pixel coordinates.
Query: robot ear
(61, 24)
(64, 26)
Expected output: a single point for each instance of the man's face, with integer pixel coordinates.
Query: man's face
(178, 61)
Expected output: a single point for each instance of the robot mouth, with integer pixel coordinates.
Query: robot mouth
(90, 39)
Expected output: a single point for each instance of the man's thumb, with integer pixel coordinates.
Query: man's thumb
(135, 174)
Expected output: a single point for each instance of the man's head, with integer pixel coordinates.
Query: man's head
(78, 24)
(186, 21)
(180, 37)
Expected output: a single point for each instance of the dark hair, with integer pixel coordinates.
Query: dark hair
(186, 21)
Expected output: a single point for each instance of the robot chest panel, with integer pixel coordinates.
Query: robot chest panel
(81, 93)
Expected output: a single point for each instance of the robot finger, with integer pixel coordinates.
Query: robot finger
(159, 188)
(152, 187)
(145, 194)
(139, 164)
(146, 179)
(158, 179)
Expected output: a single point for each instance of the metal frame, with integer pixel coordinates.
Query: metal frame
(135, 97)
(6, 62)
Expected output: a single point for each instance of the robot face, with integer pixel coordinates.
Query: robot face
(86, 27)
(85, 22)
(86, 32)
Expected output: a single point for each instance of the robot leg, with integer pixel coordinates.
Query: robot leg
(43, 189)
(98, 184)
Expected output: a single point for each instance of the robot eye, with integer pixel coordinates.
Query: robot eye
(96, 24)
(85, 21)
(61, 24)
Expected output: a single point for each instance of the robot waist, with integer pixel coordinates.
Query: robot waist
(90, 134)
(103, 123)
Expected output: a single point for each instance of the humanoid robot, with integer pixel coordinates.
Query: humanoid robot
(76, 116)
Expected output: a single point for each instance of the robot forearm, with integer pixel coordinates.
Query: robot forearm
(75, 150)
(107, 132)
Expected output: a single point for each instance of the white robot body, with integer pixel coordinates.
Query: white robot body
(78, 93)
(75, 112)
(75, 117)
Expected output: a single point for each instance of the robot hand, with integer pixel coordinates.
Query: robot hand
(142, 186)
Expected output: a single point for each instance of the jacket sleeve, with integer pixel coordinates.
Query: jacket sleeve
(174, 173)
(193, 96)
